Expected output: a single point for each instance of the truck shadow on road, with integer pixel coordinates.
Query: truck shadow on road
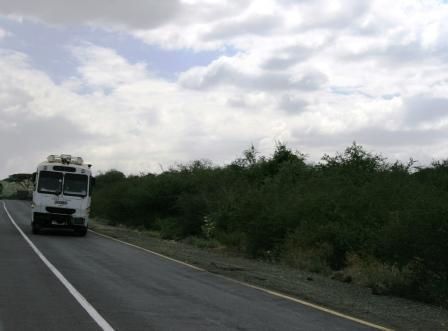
(58, 233)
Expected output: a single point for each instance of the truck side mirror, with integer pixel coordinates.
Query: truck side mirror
(93, 180)
(33, 177)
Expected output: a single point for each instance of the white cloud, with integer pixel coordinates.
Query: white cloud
(139, 123)
(426, 109)
(102, 67)
(132, 13)
(240, 72)
(255, 25)
(292, 104)
(361, 52)
(318, 74)
(3, 34)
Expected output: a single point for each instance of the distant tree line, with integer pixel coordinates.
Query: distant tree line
(22, 186)
(381, 224)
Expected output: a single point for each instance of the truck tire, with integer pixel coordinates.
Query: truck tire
(81, 232)
(35, 229)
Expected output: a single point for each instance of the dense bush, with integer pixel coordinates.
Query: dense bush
(386, 224)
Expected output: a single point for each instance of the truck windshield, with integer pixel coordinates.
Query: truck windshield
(75, 185)
(50, 182)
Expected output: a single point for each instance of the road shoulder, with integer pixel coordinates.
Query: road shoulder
(345, 298)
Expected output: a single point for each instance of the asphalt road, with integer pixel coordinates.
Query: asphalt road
(130, 288)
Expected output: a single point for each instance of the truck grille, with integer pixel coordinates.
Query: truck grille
(58, 210)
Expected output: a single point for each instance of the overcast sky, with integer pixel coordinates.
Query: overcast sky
(139, 85)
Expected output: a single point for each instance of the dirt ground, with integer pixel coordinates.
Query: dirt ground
(350, 299)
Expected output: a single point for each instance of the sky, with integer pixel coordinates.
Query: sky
(142, 85)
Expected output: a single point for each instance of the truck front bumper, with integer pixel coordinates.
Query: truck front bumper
(47, 220)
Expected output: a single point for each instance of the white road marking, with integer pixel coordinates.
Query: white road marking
(102, 323)
(271, 292)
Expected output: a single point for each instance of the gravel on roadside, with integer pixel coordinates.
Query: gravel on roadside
(391, 312)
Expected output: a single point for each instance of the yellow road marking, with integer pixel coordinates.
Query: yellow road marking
(309, 304)
(274, 293)
(148, 251)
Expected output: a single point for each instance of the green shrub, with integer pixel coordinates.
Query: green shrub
(386, 223)
(202, 242)
(382, 278)
(170, 228)
(312, 259)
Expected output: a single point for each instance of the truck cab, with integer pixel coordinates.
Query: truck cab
(62, 194)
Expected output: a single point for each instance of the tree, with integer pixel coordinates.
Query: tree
(110, 177)
(23, 180)
(355, 158)
(249, 158)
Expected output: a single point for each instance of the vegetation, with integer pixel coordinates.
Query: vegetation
(9, 189)
(17, 186)
(381, 224)
(24, 181)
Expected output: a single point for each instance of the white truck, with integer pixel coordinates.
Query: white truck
(61, 197)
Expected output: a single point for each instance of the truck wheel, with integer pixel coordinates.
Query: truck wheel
(35, 229)
(81, 232)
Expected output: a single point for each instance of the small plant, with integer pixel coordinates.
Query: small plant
(170, 229)
(309, 259)
(208, 227)
(203, 243)
(382, 278)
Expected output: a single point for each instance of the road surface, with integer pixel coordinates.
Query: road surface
(128, 288)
